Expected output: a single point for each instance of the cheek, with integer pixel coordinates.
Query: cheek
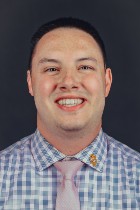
(93, 84)
(44, 87)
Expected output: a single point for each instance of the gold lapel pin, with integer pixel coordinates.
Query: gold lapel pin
(93, 159)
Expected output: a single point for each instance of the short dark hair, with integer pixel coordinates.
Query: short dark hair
(66, 22)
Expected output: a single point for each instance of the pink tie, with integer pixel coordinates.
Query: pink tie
(67, 194)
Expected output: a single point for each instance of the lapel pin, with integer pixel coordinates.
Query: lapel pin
(93, 159)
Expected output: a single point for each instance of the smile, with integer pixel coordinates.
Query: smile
(70, 102)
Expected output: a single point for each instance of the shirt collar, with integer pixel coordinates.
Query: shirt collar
(97, 149)
(45, 154)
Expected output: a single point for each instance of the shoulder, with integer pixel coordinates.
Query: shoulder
(123, 154)
(15, 152)
(121, 148)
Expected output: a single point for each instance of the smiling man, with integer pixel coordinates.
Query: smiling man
(69, 81)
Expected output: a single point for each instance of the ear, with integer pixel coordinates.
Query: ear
(108, 81)
(29, 81)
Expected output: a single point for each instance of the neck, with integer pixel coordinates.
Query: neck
(69, 142)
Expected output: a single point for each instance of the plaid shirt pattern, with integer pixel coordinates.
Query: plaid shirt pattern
(28, 179)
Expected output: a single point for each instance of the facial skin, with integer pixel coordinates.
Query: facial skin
(69, 85)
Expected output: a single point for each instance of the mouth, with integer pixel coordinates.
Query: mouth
(70, 103)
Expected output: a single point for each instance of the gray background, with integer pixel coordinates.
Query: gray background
(119, 25)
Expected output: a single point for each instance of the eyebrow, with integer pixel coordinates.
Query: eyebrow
(51, 60)
(87, 59)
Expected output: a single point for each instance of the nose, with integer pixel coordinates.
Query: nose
(69, 81)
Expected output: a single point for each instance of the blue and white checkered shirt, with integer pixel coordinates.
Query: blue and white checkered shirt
(28, 179)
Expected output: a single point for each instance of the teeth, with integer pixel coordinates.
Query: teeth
(70, 102)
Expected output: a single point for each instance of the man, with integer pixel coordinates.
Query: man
(69, 81)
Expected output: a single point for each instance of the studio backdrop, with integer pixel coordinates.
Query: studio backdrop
(118, 22)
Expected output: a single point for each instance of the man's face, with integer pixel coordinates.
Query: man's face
(68, 81)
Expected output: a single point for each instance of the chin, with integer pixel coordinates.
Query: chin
(68, 127)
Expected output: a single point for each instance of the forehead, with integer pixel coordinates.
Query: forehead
(67, 40)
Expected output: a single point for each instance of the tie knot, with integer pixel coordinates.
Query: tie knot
(68, 168)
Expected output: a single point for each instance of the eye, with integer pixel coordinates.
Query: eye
(51, 69)
(85, 67)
